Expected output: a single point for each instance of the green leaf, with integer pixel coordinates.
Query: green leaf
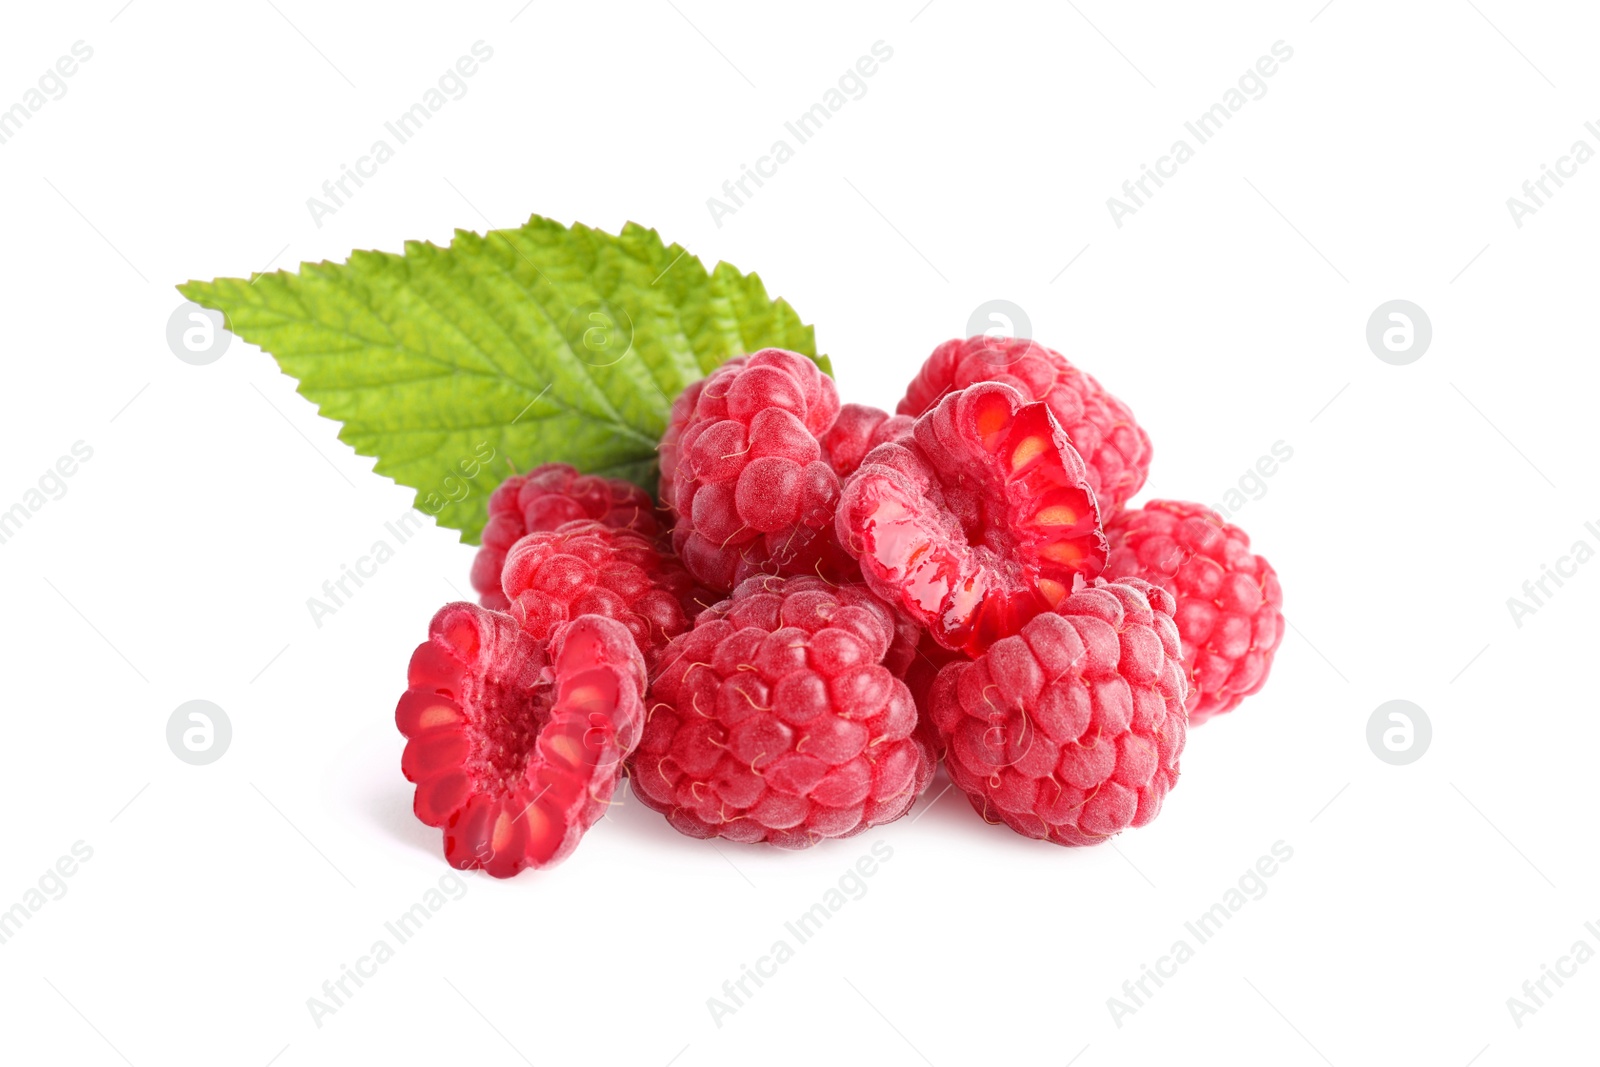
(541, 344)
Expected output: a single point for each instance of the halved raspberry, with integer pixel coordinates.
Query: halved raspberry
(515, 749)
(1071, 730)
(545, 498)
(978, 521)
(585, 568)
(1114, 447)
(1230, 605)
(858, 430)
(776, 720)
(749, 484)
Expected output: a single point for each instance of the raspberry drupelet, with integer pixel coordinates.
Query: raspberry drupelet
(858, 430)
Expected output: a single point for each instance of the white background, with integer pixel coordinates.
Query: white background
(1229, 312)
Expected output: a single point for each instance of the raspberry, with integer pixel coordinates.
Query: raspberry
(671, 448)
(979, 520)
(924, 665)
(903, 648)
(858, 430)
(750, 487)
(515, 746)
(1113, 446)
(1070, 731)
(586, 568)
(775, 720)
(1230, 606)
(928, 659)
(543, 499)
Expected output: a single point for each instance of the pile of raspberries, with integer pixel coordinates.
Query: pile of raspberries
(826, 602)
